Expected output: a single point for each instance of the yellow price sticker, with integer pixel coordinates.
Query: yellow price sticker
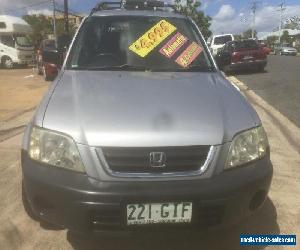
(153, 37)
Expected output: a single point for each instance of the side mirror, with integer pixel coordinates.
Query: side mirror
(223, 59)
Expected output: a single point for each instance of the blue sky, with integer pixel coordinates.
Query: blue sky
(213, 6)
(232, 16)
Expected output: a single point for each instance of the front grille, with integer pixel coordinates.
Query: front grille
(137, 160)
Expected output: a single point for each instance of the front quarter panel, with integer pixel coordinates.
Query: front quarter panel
(37, 119)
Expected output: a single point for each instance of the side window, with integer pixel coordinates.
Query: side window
(8, 41)
(226, 47)
(2, 25)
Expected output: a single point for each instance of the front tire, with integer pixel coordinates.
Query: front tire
(7, 62)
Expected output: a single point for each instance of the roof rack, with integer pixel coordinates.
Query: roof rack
(134, 5)
(107, 6)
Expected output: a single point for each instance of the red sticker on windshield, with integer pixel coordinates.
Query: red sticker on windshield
(173, 45)
(189, 55)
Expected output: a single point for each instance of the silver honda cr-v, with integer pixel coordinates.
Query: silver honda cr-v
(140, 129)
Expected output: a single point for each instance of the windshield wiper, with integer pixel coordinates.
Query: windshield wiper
(192, 68)
(115, 67)
(198, 68)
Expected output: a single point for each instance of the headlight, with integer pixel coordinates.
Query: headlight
(247, 146)
(54, 149)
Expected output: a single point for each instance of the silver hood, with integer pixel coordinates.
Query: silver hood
(101, 108)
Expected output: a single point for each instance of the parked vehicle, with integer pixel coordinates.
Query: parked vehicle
(15, 45)
(217, 42)
(282, 49)
(141, 130)
(242, 55)
(48, 69)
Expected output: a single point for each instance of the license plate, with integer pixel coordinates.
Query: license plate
(153, 213)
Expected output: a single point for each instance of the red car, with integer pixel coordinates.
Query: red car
(46, 68)
(246, 54)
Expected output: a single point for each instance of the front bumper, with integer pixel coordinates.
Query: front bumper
(83, 204)
(289, 53)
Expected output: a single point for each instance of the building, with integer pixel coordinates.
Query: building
(73, 19)
(293, 33)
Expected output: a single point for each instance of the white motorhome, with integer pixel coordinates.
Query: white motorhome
(216, 42)
(15, 45)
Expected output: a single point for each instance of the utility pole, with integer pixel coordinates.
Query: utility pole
(54, 23)
(254, 5)
(66, 16)
(253, 8)
(280, 24)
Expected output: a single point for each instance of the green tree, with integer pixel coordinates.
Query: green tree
(271, 40)
(285, 38)
(42, 26)
(60, 28)
(237, 37)
(248, 34)
(192, 9)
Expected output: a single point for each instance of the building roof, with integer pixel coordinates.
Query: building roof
(14, 24)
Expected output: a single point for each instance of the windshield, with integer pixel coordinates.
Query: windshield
(219, 40)
(22, 41)
(49, 45)
(138, 43)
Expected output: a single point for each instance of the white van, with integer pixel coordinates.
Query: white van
(15, 45)
(218, 41)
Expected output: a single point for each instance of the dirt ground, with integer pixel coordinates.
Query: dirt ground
(279, 215)
(20, 91)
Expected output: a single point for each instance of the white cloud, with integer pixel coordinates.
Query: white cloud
(267, 18)
(21, 7)
(46, 12)
(225, 12)
(204, 5)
